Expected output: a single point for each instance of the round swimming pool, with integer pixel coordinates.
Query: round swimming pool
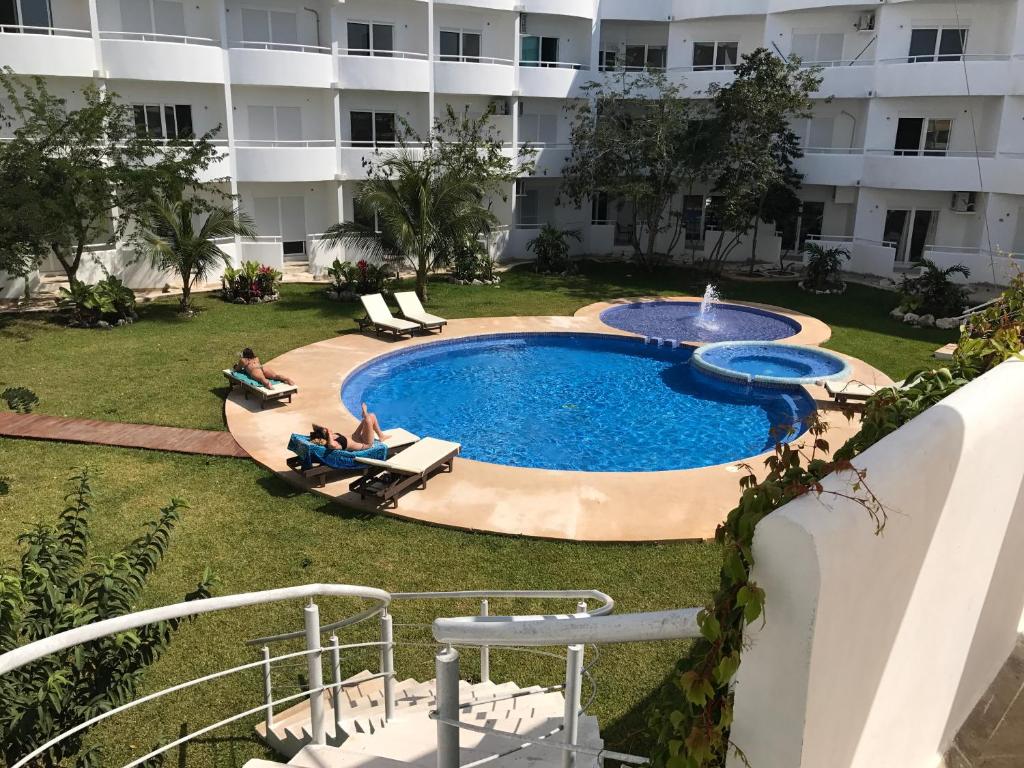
(573, 402)
(770, 363)
(681, 321)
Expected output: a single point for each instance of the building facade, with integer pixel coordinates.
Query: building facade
(916, 147)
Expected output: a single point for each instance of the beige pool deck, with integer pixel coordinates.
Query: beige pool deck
(581, 506)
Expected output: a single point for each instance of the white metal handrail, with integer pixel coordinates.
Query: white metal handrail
(928, 153)
(830, 238)
(269, 45)
(23, 29)
(453, 59)
(156, 37)
(284, 143)
(829, 63)
(833, 150)
(382, 54)
(942, 58)
(704, 68)
(555, 65)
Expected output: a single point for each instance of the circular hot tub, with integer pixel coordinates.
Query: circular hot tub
(771, 364)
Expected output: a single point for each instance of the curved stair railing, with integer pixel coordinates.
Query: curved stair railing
(522, 633)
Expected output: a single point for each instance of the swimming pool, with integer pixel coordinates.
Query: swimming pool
(582, 402)
(680, 321)
(770, 363)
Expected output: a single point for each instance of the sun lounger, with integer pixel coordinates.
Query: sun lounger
(250, 386)
(946, 352)
(314, 462)
(386, 480)
(380, 319)
(412, 309)
(845, 391)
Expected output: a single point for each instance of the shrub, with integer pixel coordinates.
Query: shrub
(61, 585)
(359, 278)
(466, 260)
(824, 266)
(251, 283)
(109, 300)
(551, 247)
(933, 292)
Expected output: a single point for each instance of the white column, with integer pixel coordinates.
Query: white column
(595, 40)
(229, 113)
(517, 28)
(431, 47)
(94, 29)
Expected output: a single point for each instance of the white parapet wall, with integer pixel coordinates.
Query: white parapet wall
(876, 648)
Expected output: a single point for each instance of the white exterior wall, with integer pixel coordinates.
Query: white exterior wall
(876, 648)
(855, 173)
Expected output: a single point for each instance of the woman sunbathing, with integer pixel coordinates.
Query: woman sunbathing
(363, 436)
(250, 365)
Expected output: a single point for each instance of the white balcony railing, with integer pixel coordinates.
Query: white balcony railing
(943, 57)
(930, 153)
(154, 37)
(22, 29)
(833, 150)
(447, 58)
(284, 143)
(555, 65)
(372, 53)
(264, 45)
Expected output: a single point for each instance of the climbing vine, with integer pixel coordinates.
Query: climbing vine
(690, 723)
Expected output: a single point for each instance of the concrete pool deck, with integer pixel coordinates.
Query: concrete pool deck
(581, 506)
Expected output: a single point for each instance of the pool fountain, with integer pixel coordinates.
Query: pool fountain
(708, 305)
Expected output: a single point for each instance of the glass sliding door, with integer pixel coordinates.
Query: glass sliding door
(911, 230)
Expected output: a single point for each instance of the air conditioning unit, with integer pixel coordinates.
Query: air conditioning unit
(964, 202)
(501, 106)
(866, 22)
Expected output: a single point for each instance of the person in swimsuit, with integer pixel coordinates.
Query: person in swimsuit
(363, 436)
(250, 365)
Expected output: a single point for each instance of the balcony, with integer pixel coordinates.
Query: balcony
(579, 8)
(988, 74)
(482, 75)
(956, 171)
(704, 9)
(832, 166)
(47, 51)
(867, 257)
(553, 80)
(310, 160)
(998, 268)
(846, 79)
(699, 79)
(173, 58)
(396, 71)
(549, 159)
(285, 64)
(352, 164)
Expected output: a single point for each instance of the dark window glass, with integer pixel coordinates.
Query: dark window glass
(362, 129)
(383, 39)
(952, 44)
(8, 13)
(358, 38)
(36, 13)
(636, 56)
(384, 127)
(367, 218)
(693, 211)
(936, 138)
(140, 119)
(549, 49)
(811, 221)
(529, 50)
(922, 45)
(599, 208)
(449, 46)
(908, 136)
(703, 56)
(609, 59)
(727, 56)
(170, 124)
(183, 121)
(656, 57)
(470, 47)
(293, 247)
(153, 121)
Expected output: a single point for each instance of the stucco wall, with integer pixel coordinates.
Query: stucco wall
(876, 648)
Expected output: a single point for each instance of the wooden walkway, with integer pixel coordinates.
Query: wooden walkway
(198, 441)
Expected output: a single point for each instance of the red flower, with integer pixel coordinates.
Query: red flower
(362, 265)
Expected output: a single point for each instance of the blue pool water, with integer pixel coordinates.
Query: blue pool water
(573, 402)
(678, 320)
(770, 363)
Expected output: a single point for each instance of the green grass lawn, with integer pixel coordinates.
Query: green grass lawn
(256, 532)
(165, 370)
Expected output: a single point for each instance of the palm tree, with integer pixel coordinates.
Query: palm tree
(181, 233)
(424, 210)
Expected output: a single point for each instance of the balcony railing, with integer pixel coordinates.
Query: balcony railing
(371, 52)
(929, 153)
(473, 60)
(265, 45)
(284, 143)
(157, 37)
(833, 150)
(555, 65)
(932, 58)
(22, 29)
(827, 63)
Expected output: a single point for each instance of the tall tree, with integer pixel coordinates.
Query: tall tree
(636, 139)
(756, 148)
(431, 195)
(181, 234)
(76, 176)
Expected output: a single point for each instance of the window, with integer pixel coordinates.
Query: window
(163, 121)
(607, 60)
(278, 27)
(284, 217)
(372, 129)
(275, 123)
(816, 133)
(708, 56)
(162, 17)
(537, 51)
(15, 15)
(693, 215)
(917, 136)
(937, 44)
(599, 209)
(367, 218)
(460, 45)
(640, 57)
(812, 219)
(818, 48)
(538, 129)
(527, 205)
(370, 38)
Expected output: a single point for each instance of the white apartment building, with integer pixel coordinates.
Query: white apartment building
(916, 148)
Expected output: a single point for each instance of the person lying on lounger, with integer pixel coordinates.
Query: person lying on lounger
(362, 437)
(250, 365)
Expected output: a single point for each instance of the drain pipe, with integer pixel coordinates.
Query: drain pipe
(315, 13)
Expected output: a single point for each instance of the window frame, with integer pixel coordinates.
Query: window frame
(373, 113)
(273, 44)
(927, 127)
(162, 109)
(716, 47)
(19, 25)
(373, 50)
(937, 55)
(461, 56)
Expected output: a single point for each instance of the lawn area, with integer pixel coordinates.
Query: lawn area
(164, 370)
(256, 532)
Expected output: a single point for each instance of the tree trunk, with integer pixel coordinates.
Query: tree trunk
(70, 265)
(757, 226)
(652, 244)
(421, 278)
(186, 292)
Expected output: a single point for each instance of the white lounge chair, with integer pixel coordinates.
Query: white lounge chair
(249, 386)
(385, 480)
(379, 317)
(412, 309)
(845, 391)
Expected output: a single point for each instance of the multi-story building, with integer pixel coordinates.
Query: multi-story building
(916, 147)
